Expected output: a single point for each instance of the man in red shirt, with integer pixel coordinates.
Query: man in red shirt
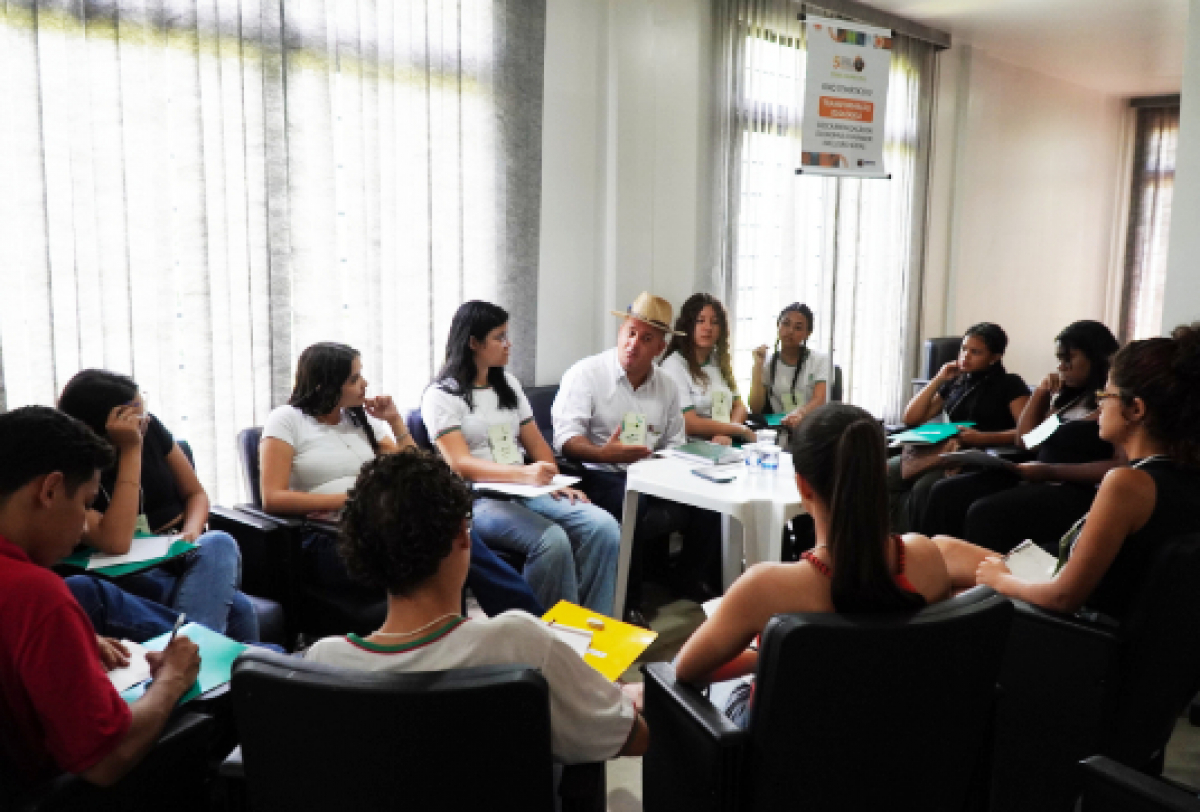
(58, 710)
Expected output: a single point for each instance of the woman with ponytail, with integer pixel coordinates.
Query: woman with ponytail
(856, 566)
(1149, 410)
(313, 448)
(795, 380)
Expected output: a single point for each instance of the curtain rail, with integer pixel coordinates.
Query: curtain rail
(868, 15)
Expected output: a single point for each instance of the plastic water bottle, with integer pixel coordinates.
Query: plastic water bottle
(768, 451)
(751, 457)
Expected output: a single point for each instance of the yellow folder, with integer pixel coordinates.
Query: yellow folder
(614, 647)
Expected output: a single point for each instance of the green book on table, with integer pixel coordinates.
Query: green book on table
(929, 434)
(217, 653)
(704, 451)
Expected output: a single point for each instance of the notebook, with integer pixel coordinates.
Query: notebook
(1031, 563)
(217, 653)
(704, 452)
(146, 552)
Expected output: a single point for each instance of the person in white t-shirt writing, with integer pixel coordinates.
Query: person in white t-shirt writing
(616, 408)
(312, 449)
(794, 382)
(698, 361)
(406, 530)
(482, 423)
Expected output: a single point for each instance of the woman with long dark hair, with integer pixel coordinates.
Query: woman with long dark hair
(988, 507)
(857, 566)
(1149, 410)
(152, 489)
(698, 361)
(795, 381)
(481, 422)
(974, 388)
(313, 448)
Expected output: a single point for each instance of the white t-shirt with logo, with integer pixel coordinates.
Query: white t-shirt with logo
(590, 718)
(816, 369)
(695, 394)
(444, 413)
(327, 458)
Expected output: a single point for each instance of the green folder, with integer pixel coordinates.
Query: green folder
(704, 450)
(929, 434)
(82, 553)
(217, 653)
(775, 420)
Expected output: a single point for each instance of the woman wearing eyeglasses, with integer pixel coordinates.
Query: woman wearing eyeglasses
(1149, 410)
(999, 507)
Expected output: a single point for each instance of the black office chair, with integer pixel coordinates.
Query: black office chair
(1074, 687)
(271, 557)
(1109, 786)
(868, 712)
(937, 351)
(835, 389)
(174, 774)
(272, 625)
(319, 737)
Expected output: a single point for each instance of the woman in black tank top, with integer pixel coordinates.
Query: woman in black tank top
(988, 508)
(1149, 410)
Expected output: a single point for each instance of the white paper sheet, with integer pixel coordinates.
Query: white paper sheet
(710, 606)
(1031, 563)
(528, 491)
(142, 549)
(1038, 436)
(579, 640)
(137, 671)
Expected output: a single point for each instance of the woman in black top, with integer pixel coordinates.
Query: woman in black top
(973, 389)
(988, 508)
(1150, 410)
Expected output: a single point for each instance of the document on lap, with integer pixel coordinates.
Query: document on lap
(527, 491)
(144, 548)
(1031, 563)
(613, 646)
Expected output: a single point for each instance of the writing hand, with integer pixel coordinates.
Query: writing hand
(178, 663)
(540, 473)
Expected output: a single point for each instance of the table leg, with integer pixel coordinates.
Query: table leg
(734, 537)
(628, 526)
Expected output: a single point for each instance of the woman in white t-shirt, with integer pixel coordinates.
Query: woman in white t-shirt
(313, 448)
(698, 361)
(481, 422)
(795, 380)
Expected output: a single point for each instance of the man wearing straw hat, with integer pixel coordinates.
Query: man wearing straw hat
(616, 408)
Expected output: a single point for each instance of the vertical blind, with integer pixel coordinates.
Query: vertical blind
(195, 190)
(1156, 137)
(851, 249)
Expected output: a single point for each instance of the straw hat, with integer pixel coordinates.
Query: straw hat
(651, 309)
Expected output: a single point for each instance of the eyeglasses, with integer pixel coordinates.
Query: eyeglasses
(1102, 396)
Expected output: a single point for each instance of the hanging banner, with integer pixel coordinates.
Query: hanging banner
(845, 99)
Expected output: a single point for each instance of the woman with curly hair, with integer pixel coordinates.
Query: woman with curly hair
(697, 360)
(311, 453)
(1149, 410)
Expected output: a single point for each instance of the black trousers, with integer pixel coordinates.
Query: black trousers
(945, 511)
(701, 529)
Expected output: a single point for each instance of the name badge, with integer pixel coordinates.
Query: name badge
(141, 527)
(504, 448)
(1039, 435)
(791, 402)
(722, 405)
(633, 429)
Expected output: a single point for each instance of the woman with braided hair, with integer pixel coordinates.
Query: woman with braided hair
(796, 379)
(1149, 410)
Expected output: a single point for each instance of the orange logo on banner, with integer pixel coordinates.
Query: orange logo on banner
(848, 109)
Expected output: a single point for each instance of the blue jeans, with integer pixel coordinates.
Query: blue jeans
(202, 583)
(570, 549)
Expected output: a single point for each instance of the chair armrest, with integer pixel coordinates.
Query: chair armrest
(233, 766)
(258, 517)
(696, 756)
(1109, 786)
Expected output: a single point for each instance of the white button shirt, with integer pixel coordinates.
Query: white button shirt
(595, 395)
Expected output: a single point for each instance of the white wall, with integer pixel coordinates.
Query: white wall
(624, 166)
(1024, 189)
(1181, 298)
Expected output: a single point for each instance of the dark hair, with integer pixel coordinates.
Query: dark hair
(93, 393)
(839, 450)
(38, 440)
(685, 344)
(1097, 343)
(321, 371)
(992, 335)
(1165, 374)
(400, 520)
(474, 319)
(803, 310)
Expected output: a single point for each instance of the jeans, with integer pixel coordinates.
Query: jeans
(497, 586)
(203, 584)
(570, 549)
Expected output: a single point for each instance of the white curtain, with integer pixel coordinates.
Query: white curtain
(192, 191)
(851, 249)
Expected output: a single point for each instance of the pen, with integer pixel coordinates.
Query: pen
(178, 622)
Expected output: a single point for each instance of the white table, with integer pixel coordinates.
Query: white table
(760, 504)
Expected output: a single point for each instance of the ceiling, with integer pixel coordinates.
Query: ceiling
(1123, 47)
